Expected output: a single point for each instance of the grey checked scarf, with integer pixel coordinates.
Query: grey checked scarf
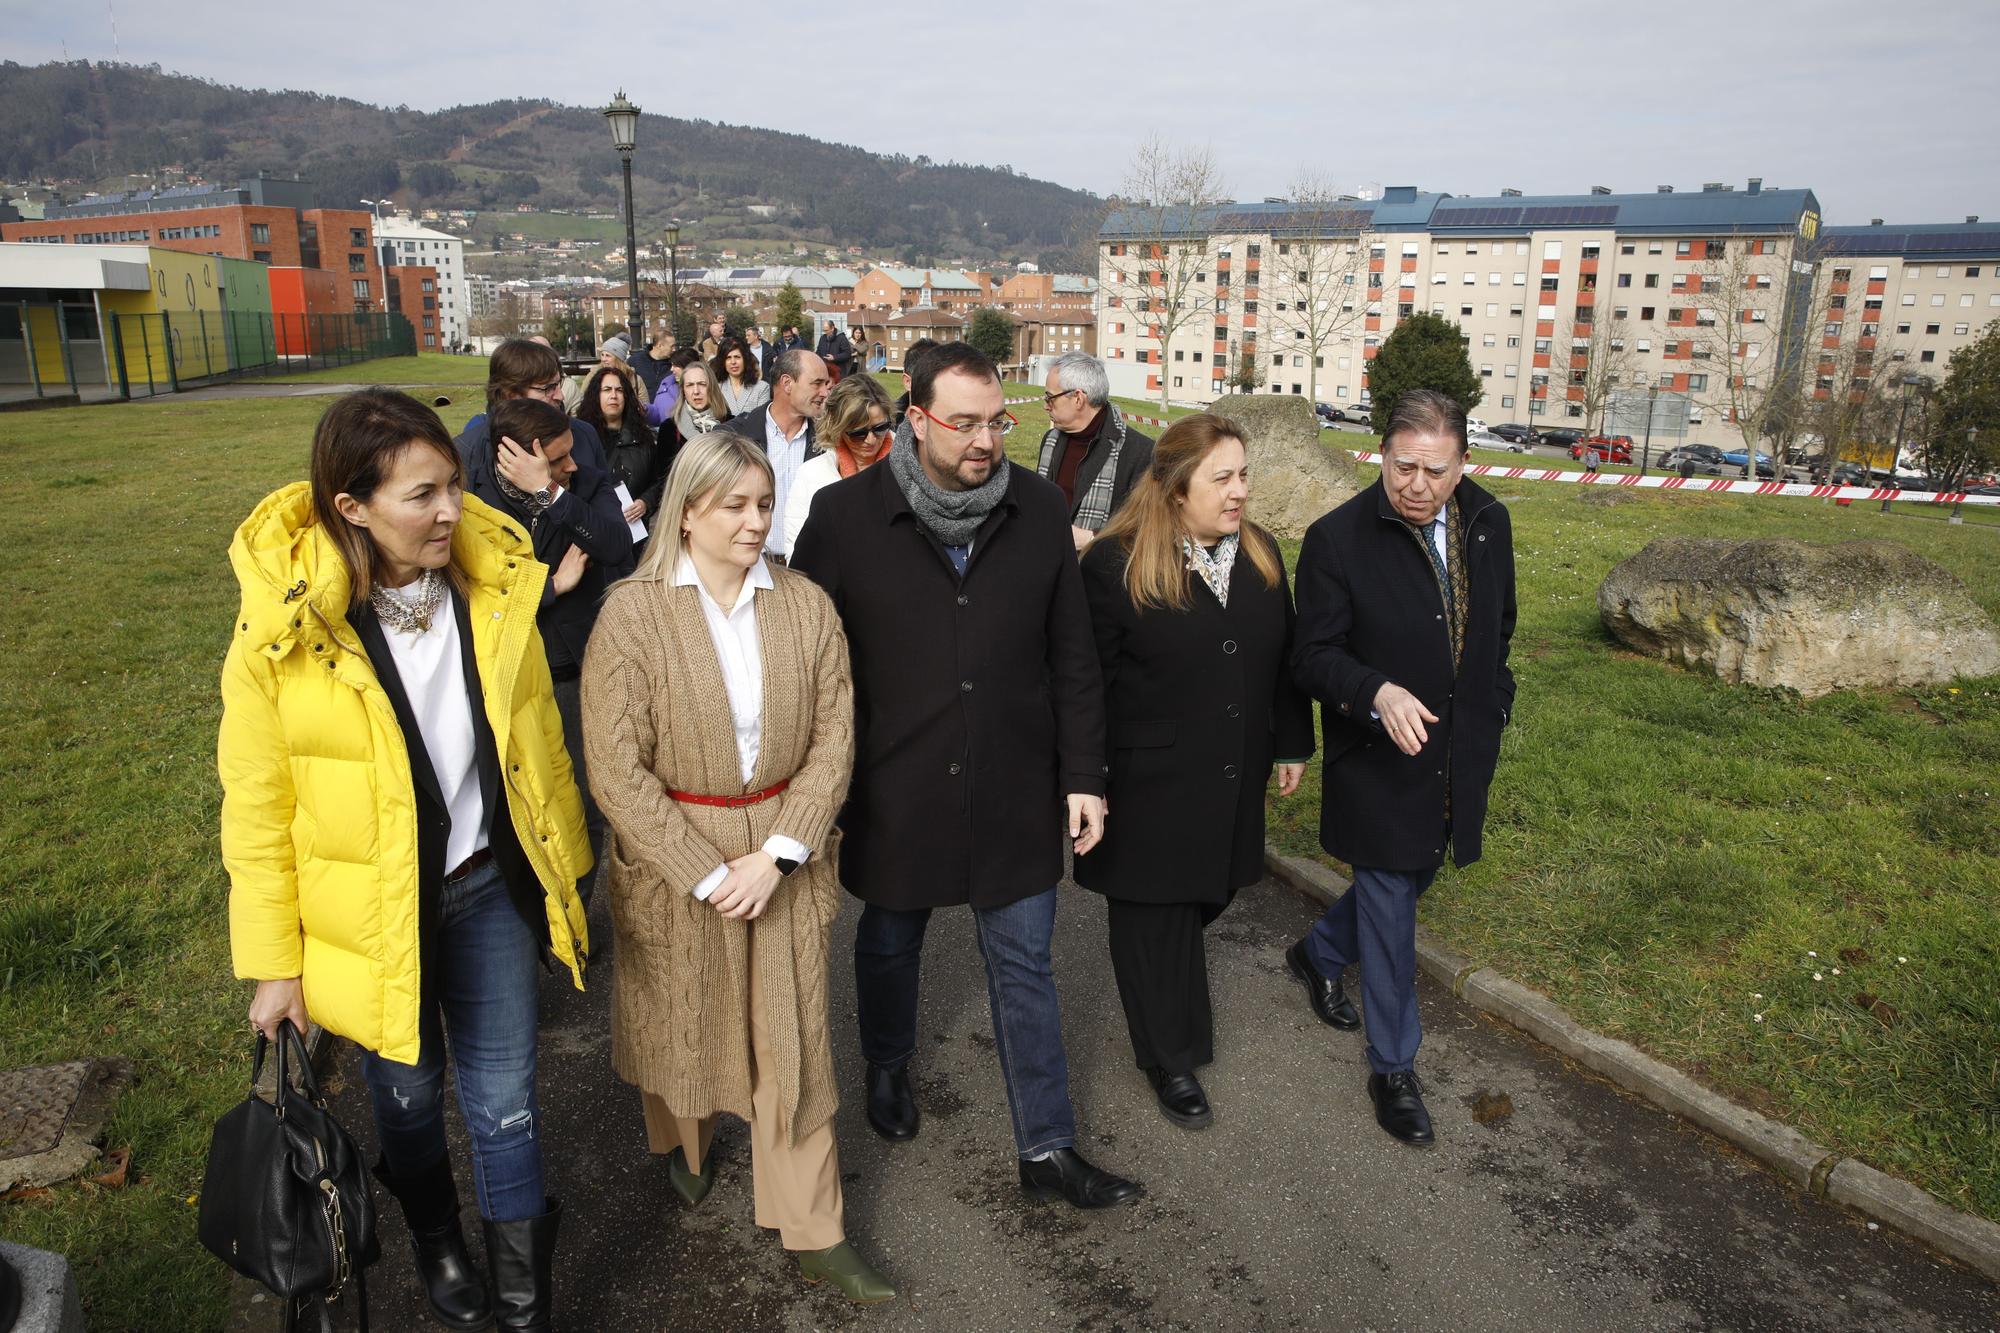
(954, 516)
(1093, 510)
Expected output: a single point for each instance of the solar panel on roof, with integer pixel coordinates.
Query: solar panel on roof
(1951, 240)
(744, 272)
(1476, 217)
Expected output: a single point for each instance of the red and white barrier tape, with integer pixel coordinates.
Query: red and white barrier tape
(1710, 484)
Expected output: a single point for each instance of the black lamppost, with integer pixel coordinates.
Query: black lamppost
(1652, 403)
(674, 277)
(623, 118)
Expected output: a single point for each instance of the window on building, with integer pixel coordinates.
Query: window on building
(1960, 329)
(1253, 250)
(1965, 299)
(260, 233)
(1909, 298)
(1409, 249)
(1932, 328)
(1652, 279)
(1937, 298)
(1488, 340)
(361, 289)
(1552, 249)
(261, 256)
(1465, 312)
(1520, 279)
(1492, 310)
(1541, 347)
(1550, 282)
(1624, 279)
(1513, 340)
(1927, 355)
(1486, 370)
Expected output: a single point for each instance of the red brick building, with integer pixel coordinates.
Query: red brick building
(413, 294)
(269, 221)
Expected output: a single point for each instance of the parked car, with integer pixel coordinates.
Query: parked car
(1514, 432)
(1474, 424)
(1486, 439)
(1703, 458)
(1562, 437)
(1766, 466)
(1610, 448)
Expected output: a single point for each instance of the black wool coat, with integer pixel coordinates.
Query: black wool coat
(1370, 612)
(1201, 705)
(977, 701)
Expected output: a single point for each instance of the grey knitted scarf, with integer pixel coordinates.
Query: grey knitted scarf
(954, 516)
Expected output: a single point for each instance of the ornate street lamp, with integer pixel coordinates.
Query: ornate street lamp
(623, 117)
(674, 276)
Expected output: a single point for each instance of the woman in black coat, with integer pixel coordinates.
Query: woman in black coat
(1193, 620)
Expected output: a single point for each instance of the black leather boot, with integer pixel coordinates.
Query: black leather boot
(430, 1206)
(522, 1257)
(892, 1104)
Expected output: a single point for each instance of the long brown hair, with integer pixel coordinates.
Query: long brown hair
(355, 445)
(1148, 524)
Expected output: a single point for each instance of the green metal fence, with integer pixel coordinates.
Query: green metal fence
(51, 351)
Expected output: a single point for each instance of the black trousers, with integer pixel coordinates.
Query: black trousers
(1158, 957)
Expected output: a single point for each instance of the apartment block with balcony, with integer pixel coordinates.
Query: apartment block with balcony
(1686, 293)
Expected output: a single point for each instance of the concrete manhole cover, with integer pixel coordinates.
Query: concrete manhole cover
(51, 1117)
(35, 1105)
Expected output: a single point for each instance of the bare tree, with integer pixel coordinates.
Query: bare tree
(1316, 283)
(1160, 258)
(1749, 315)
(1596, 358)
(1857, 399)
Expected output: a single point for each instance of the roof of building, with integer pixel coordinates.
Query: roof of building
(1936, 241)
(939, 279)
(1067, 282)
(406, 229)
(1405, 208)
(116, 268)
(926, 316)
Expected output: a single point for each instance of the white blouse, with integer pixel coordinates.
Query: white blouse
(734, 633)
(434, 679)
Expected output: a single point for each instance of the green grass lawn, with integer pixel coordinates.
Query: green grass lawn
(1665, 853)
(425, 368)
(1670, 857)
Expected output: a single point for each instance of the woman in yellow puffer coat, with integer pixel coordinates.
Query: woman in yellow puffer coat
(399, 822)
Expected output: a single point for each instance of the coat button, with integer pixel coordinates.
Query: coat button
(319, 647)
(1343, 708)
(503, 592)
(1234, 711)
(965, 686)
(1229, 645)
(1439, 616)
(1229, 770)
(963, 600)
(953, 770)
(246, 624)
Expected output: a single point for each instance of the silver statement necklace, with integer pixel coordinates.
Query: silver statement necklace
(411, 615)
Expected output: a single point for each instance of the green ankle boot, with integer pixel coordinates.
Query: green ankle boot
(855, 1277)
(691, 1187)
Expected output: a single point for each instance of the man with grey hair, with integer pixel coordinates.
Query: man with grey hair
(1405, 614)
(1090, 452)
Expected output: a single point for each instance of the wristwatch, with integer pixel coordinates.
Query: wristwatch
(786, 865)
(545, 496)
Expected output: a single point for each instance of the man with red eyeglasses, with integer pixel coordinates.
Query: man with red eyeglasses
(979, 743)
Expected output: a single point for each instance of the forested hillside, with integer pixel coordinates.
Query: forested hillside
(89, 122)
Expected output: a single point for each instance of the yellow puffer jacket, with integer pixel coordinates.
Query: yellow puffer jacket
(319, 813)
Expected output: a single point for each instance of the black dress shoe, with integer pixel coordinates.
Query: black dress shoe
(1328, 997)
(1065, 1173)
(892, 1105)
(1181, 1099)
(1399, 1107)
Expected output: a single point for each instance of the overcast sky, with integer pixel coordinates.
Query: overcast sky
(1887, 108)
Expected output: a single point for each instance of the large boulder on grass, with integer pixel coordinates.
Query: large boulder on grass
(1804, 615)
(1294, 479)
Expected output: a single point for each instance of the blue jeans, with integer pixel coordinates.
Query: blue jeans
(1375, 924)
(1020, 987)
(482, 994)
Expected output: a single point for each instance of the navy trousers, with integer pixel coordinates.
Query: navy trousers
(1375, 924)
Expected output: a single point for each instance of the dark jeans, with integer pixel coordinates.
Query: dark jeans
(1020, 987)
(1159, 958)
(569, 703)
(482, 994)
(1375, 924)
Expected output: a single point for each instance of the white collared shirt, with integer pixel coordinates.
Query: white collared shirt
(734, 633)
(430, 665)
(1440, 540)
(787, 454)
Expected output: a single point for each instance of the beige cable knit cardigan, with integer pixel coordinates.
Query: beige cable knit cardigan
(656, 715)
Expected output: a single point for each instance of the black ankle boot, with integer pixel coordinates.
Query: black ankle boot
(522, 1257)
(430, 1206)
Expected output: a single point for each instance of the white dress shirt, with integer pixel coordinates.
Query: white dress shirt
(788, 455)
(734, 633)
(1440, 540)
(434, 679)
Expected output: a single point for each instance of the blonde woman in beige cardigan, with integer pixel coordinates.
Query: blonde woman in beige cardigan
(718, 718)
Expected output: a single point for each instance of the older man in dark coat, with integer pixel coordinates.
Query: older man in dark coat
(979, 721)
(1405, 613)
(1090, 450)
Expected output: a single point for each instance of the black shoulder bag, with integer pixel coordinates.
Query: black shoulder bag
(285, 1198)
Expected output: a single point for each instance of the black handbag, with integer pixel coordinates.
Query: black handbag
(285, 1199)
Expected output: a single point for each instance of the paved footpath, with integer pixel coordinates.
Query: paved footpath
(1584, 1209)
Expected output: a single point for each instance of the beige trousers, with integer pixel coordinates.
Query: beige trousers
(797, 1186)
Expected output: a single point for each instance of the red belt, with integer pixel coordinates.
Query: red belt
(730, 802)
